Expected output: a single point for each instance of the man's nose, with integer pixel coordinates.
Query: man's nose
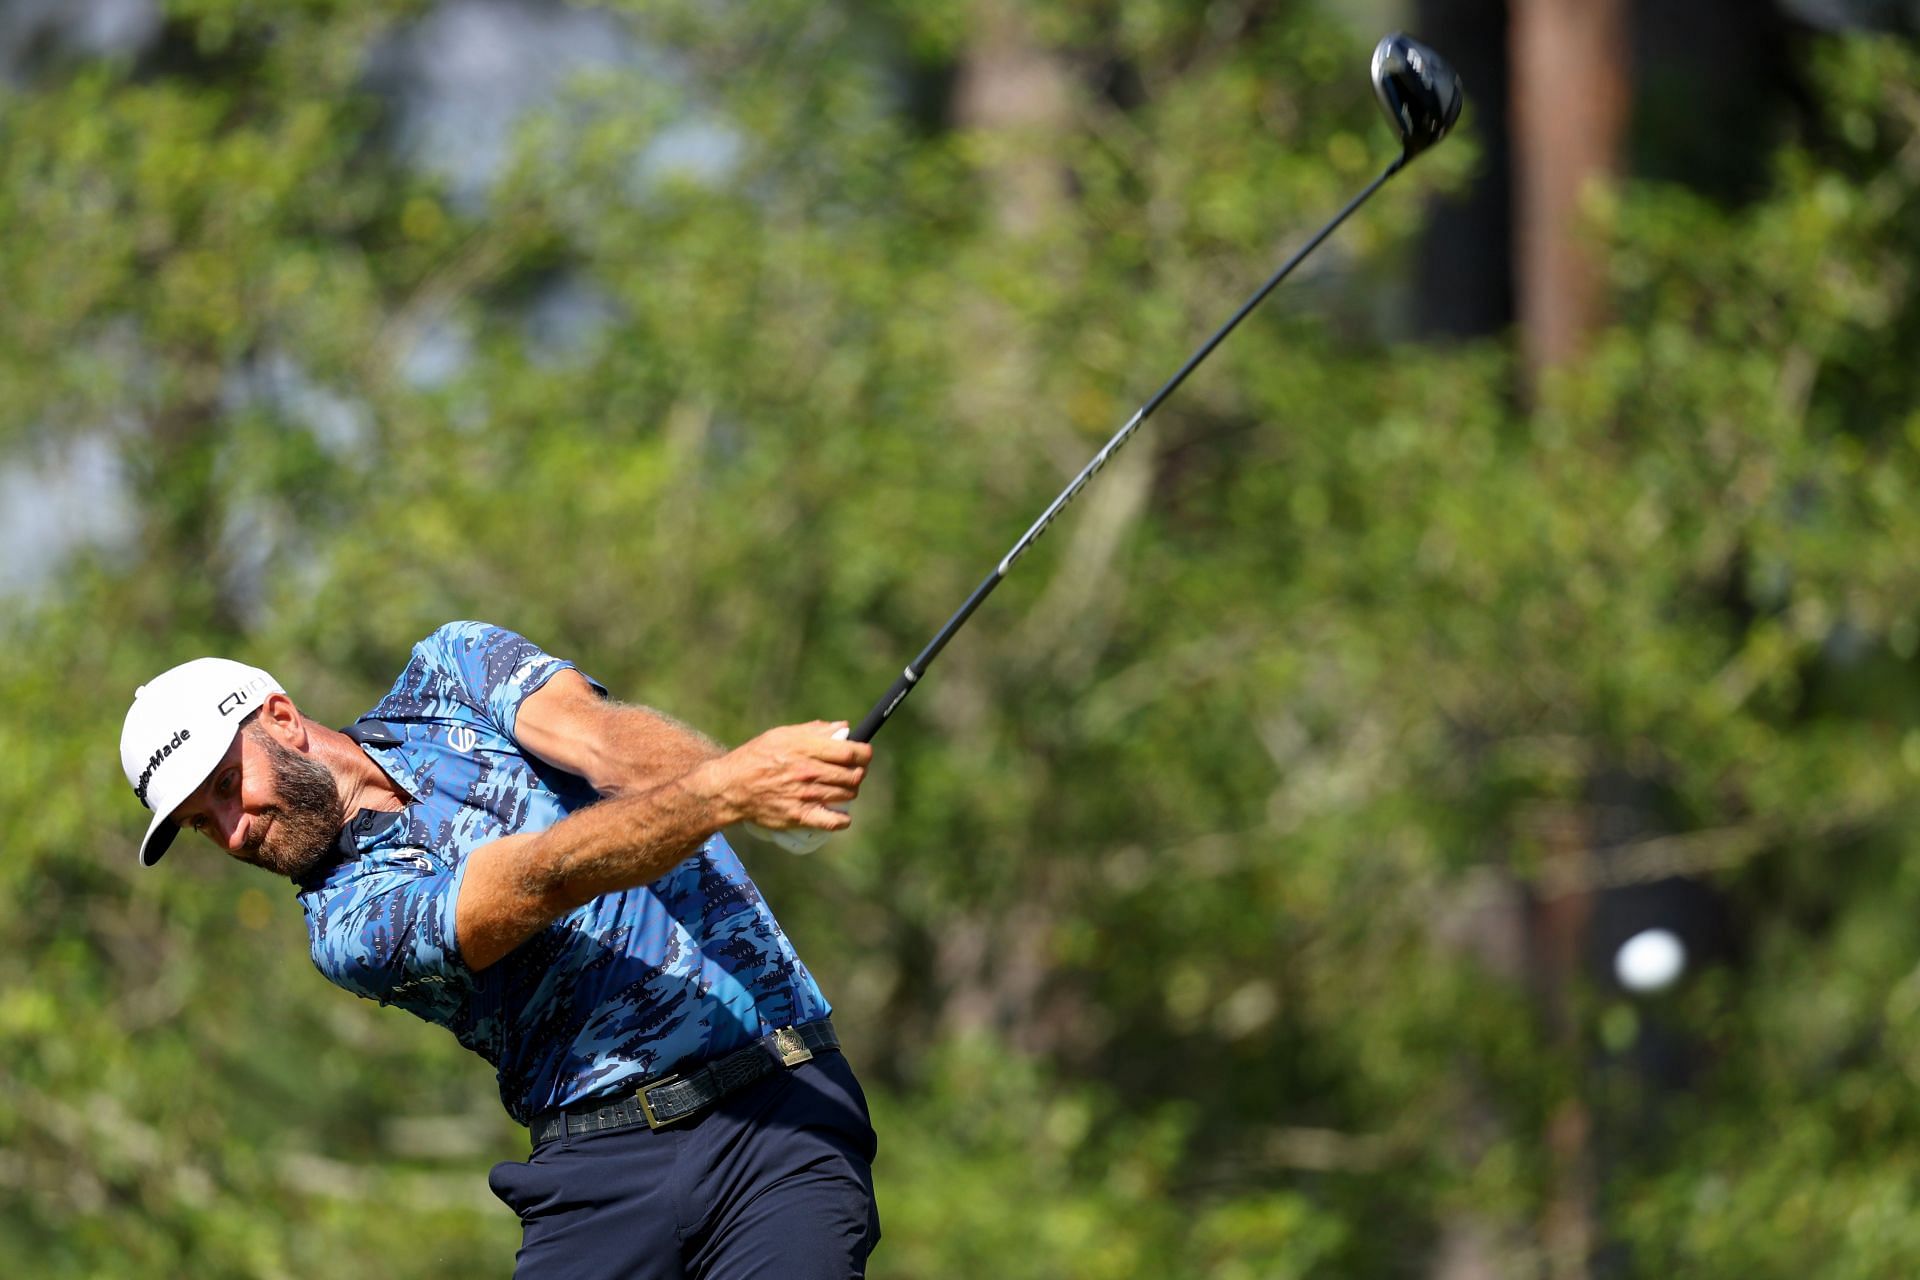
(226, 825)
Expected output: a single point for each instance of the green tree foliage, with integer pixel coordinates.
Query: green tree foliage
(1161, 936)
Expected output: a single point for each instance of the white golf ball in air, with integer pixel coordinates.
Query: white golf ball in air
(1651, 960)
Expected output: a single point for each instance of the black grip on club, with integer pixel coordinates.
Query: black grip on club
(864, 731)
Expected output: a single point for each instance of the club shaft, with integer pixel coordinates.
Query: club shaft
(889, 702)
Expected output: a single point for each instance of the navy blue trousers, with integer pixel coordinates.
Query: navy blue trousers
(775, 1181)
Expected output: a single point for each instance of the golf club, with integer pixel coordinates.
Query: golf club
(1421, 94)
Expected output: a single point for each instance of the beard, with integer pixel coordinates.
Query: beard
(301, 829)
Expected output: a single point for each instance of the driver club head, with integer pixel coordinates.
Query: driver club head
(1418, 90)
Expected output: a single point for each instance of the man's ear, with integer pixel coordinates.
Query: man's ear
(280, 720)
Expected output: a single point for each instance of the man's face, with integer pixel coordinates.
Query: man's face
(267, 804)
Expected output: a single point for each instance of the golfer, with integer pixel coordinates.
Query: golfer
(497, 848)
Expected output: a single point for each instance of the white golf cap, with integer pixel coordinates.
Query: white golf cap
(179, 727)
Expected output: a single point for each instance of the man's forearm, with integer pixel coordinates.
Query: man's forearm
(639, 748)
(786, 777)
(630, 839)
(616, 748)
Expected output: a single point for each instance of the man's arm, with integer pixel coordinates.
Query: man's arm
(616, 748)
(786, 777)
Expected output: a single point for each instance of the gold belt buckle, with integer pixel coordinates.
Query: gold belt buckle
(792, 1049)
(646, 1106)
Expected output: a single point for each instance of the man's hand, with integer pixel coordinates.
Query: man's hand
(787, 777)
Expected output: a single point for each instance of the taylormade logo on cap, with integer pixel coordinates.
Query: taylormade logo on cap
(146, 774)
(179, 727)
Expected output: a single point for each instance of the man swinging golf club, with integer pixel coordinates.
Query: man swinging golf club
(646, 1016)
(497, 848)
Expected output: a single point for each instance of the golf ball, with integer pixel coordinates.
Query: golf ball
(1651, 960)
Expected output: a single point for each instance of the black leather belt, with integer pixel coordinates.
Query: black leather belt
(682, 1096)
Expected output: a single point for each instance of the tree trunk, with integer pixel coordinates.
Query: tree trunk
(1570, 100)
(1008, 84)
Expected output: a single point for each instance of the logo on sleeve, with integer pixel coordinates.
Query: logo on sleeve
(461, 738)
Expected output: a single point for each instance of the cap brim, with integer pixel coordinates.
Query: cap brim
(160, 834)
(162, 830)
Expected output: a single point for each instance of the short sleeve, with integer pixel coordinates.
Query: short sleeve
(388, 935)
(490, 668)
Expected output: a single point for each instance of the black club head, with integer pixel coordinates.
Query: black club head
(1419, 91)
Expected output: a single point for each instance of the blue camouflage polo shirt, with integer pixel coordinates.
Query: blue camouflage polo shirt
(623, 989)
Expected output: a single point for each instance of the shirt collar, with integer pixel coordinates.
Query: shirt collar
(383, 743)
(368, 825)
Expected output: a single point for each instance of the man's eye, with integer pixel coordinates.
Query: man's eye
(199, 823)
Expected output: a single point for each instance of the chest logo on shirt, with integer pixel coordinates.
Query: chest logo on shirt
(413, 857)
(461, 738)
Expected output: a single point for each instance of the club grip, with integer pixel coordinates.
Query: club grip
(903, 685)
(799, 840)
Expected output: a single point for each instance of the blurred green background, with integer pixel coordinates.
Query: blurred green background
(1239, 897)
